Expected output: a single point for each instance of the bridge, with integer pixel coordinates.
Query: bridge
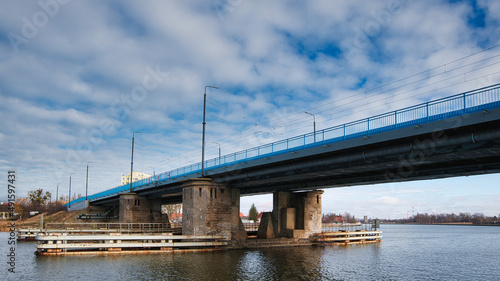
(453, 136)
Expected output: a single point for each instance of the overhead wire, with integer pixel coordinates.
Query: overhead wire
(388, 90)
(399, 80)
(244, 134)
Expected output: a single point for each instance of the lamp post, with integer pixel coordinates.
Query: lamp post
(87, 181)
(69, 200)
(203, 133)
(219, 149)
(132, 159)
(57, 192)
(314, 124)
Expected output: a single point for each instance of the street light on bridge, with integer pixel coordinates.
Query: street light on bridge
(314, 124)
(57, 191)
(203, 133)
(87, 181)
(219, 149)
(69, 199)
(218, 145)
(132, 159)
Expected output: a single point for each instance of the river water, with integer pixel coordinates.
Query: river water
(407, 252)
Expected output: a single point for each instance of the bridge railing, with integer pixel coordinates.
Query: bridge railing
(456, 105)
(465, 103)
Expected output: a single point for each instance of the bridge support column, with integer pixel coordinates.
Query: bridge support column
(211, 208)
(137, 209)
(298, 214)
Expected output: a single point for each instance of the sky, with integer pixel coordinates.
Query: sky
(77, 78)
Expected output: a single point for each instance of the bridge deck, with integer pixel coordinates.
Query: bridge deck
(384, 128)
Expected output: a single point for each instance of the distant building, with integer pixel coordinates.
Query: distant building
(175, 217)
(136, 176)
(4, 211)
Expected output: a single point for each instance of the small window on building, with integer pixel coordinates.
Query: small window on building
(200, 191)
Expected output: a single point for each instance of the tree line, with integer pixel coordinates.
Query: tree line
(462, 217)
(425, 218)
(41, 201)
(338, 218)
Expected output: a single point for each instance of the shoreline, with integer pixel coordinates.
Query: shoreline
(63, 216)
(448, 223)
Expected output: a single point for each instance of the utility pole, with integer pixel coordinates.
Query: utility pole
(203, 133)
(314, 124)
(57, 192)
(87, 182)
(132, 160)
(69, 200)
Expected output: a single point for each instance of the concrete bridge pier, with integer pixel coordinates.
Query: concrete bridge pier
(139, 209)
(211, 208)
(295, 215)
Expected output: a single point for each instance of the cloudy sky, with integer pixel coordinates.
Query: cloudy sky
(78, 77)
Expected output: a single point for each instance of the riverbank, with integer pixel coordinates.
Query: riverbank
(446, 223)
(34, 222)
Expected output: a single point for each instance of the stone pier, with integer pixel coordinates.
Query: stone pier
(295, 215)
(138, 209)
(211, 208)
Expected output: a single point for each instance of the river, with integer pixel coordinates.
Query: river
(407, 252)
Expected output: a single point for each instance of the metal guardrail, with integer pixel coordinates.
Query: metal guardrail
(120, 227)
(95, 228)
(346, 237)
(456, 105)
(251, 226)
(126, 243)
(332, 227)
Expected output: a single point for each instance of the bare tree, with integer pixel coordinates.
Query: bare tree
(172, 210)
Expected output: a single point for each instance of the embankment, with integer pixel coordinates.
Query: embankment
(34, 222)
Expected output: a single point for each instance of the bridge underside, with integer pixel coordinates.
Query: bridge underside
(461, 146)
(430, 156)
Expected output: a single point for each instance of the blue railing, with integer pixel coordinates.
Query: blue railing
(456, 105)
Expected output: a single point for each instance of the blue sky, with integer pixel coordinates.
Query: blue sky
(78, 77)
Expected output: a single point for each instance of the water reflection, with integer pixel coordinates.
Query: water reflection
(406, 253)
(300, 263)
(254, 265)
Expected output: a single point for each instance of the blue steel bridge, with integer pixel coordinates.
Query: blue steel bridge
(454, 136)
